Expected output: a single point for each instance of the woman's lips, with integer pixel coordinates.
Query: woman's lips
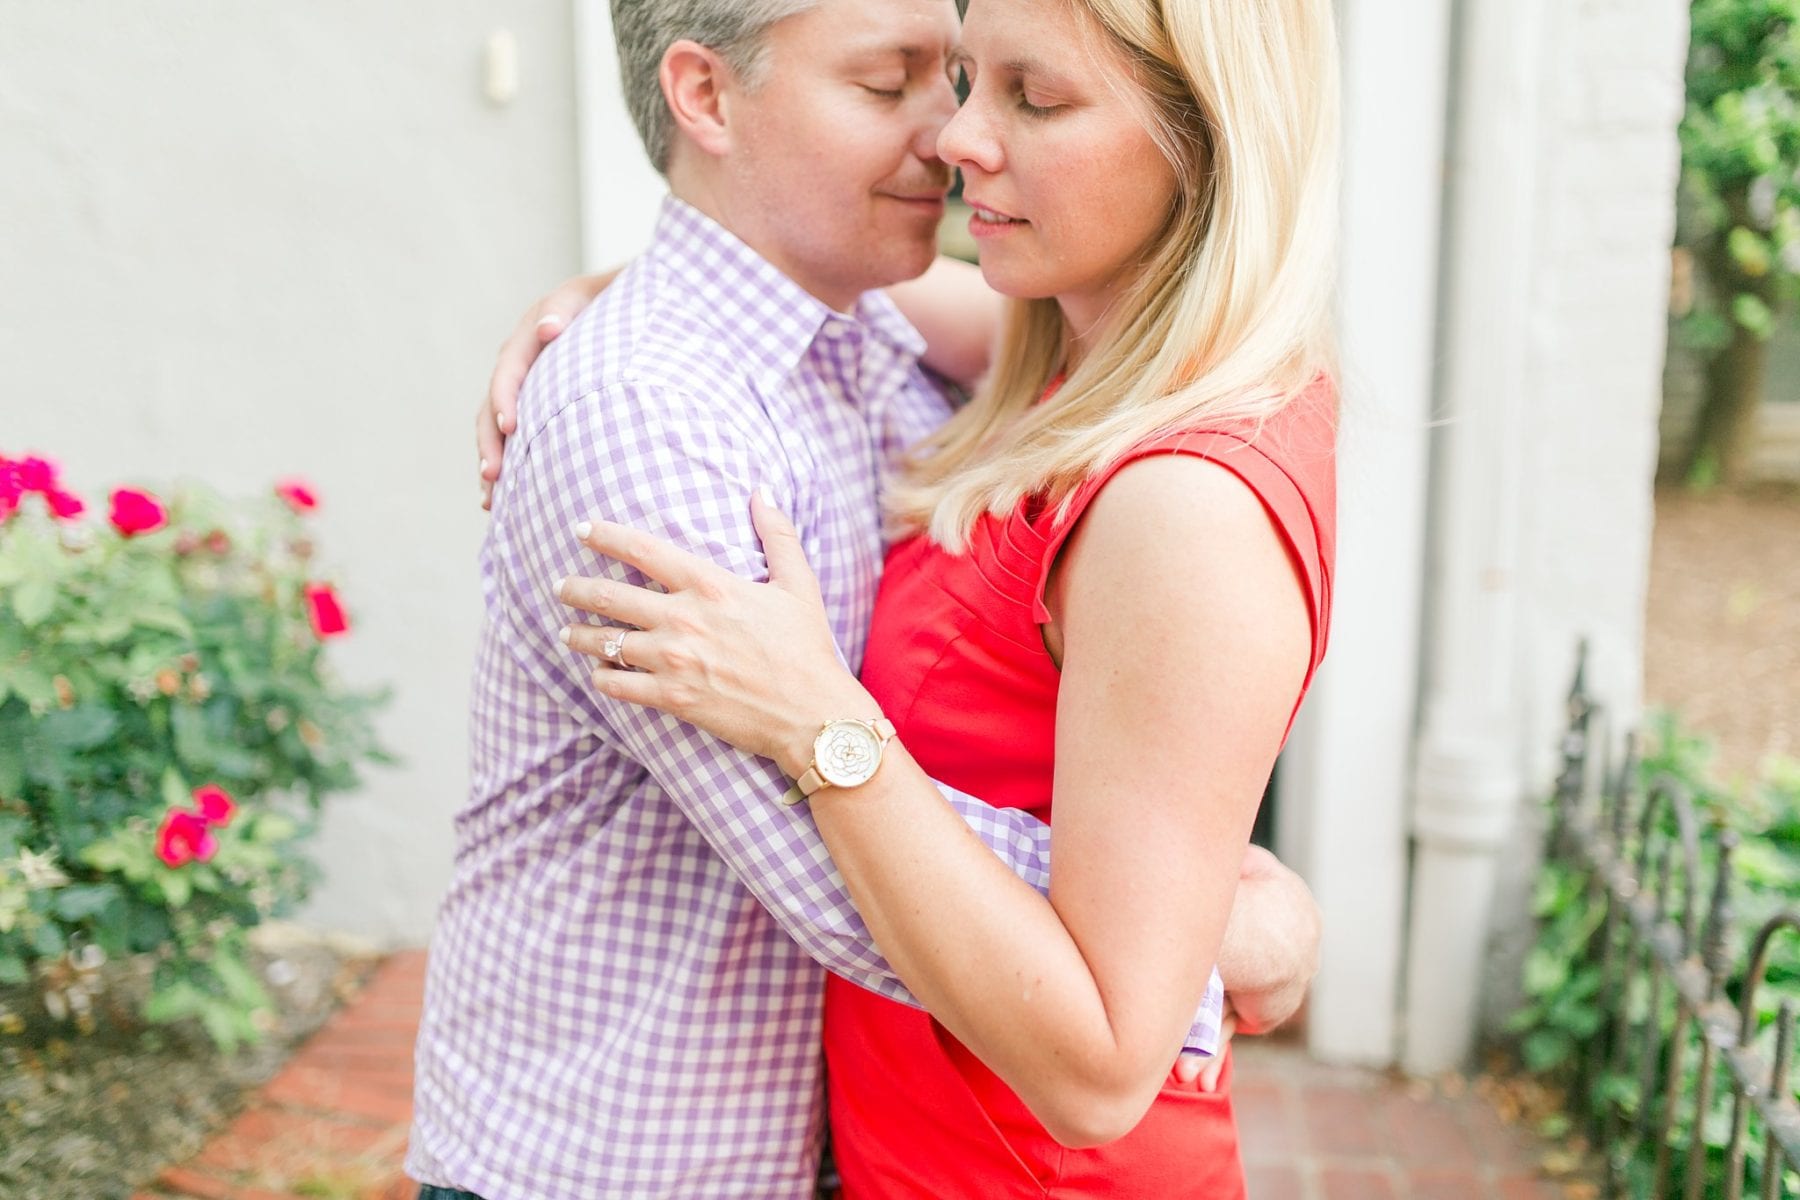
(987, 222)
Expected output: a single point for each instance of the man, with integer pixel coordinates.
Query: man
(624, 997)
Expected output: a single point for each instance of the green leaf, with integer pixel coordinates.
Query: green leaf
(34, 600)
(77, 729)
(1750, 251)
(271, 828)
(167, 620)
(13, 970)
(48, 941)
(1547, 1049)
(173, 1002)
(1545, 971)
(1753, 314)
(177, 888)
(175, 791)
(81, 901)
(241, 984)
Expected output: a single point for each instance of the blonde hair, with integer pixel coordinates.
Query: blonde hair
(1231, 315)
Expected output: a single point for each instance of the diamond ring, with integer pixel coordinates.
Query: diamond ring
(613, 649)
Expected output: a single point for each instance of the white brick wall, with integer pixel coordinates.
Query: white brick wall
(1611, 100)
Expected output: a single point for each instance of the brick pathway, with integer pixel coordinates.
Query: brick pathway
(1312, 1132)
(332, 1125)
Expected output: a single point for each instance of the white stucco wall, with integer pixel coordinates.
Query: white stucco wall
(240, 241)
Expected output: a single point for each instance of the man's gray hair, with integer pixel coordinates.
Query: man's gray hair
(645, 29)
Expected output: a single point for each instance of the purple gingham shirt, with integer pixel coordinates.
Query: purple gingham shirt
(625, 986)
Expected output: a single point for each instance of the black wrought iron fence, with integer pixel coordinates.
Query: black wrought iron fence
(1679, 1088)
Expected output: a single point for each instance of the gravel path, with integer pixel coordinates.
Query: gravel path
(1723, 640)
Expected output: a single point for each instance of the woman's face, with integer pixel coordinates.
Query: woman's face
(1054, 144)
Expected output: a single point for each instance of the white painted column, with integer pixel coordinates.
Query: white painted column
(1470, 783)
(1344, 778)
(620, 190)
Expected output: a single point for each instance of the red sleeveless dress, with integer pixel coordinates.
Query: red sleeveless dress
(956, 659)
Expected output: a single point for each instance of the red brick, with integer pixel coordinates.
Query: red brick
(1447, 1185)
(387, 1103)
(369, 1065)
(1267, 1130)
(390, 1055)
(296, 1143)
(1274, 1183)
(1341, 1183)
(376, 1022)
(1421, 1131)
(1511, 1149)
(1342, 1122)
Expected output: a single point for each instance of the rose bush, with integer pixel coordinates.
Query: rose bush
(168, 734)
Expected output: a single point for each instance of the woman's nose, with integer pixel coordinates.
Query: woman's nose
(967, 140)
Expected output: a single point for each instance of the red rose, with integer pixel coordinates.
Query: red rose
(299, 495)
(36, 474)
(326, 611)
(214, 804)
(184, 838)
(135, 512)
(64, 506)
(11, 490)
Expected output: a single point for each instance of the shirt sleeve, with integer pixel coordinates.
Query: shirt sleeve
(659, 460)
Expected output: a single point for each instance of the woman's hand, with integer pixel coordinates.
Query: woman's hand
(752, 663)
(498, 415)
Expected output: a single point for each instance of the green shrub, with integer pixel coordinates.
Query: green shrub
(168, 733)
(1569, 1007)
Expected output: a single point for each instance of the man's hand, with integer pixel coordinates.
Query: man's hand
(498, 415)
(1269, 957)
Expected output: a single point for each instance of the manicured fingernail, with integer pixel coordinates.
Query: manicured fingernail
(549, 319)
(762, 493)
(484, 466)
(562, 585)
(566, 635)
(584, 529)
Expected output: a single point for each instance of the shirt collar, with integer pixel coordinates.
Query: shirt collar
(769, 319)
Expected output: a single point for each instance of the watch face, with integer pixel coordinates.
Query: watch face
(847, 753)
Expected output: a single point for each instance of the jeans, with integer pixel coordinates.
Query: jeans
(428, 1192)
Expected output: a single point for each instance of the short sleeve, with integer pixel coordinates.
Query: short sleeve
(1289, 463)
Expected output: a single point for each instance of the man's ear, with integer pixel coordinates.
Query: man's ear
(695, 80)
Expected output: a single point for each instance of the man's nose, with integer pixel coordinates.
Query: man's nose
(942, 110)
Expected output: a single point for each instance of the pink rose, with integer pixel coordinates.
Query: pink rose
(135, 512)
(184, 838)
(214, 804)
(11, 490)
(298, 494)
(326, 611)
(37, 474)
(64, 506)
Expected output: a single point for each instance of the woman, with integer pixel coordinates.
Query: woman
(1118, 556)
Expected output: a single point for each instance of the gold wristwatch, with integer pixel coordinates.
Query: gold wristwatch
(846, 754)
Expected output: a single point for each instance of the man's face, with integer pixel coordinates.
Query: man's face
(834, 175)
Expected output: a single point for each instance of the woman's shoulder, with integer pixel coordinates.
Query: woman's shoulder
(1283, 465)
